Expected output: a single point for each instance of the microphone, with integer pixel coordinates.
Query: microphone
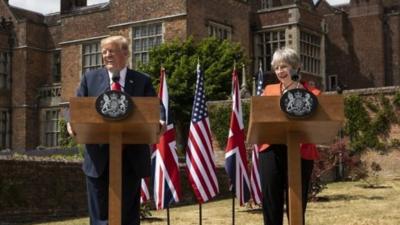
(295, 74)
(115, 75)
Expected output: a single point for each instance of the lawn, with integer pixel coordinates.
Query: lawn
(342, 203)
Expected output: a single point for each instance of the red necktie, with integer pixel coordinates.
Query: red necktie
(116, 86)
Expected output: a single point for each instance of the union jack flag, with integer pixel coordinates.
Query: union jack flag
(200, 160)
(255, 174)
(164, 159)
(235, 153)
(144, 191)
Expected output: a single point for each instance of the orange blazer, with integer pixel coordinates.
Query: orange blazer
(308, 151)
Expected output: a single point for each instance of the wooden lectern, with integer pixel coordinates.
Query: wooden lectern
(268, 124)
(142, 126)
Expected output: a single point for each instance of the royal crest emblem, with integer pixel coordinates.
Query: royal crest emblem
(114, 105)
(298, 103)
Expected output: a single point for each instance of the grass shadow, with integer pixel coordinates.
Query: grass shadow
(340, 197)
(369, 186)
(152, 219)
(251, 211)
(39, 218)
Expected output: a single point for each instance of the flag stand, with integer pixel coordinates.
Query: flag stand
(233, 208)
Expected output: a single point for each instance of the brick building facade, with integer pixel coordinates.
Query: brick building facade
(44, 56)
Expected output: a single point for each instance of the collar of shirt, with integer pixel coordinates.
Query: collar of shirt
(122, 76)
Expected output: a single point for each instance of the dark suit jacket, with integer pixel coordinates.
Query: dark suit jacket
(96, 156)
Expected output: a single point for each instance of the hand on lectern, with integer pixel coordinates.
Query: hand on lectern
(71, 132)
(163, 126)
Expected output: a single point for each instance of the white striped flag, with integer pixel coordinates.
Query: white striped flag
(255, 182)
(200, 162)
(144, 191)
(235, 153)
(164, 160)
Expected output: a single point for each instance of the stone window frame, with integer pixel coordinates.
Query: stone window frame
(144, 38)
(91, 56)
(4, 70)
(310, 52)
(50, 132)
(5, 129)
(332, 85)
(266, 44)
(219, 30)
(56, 66)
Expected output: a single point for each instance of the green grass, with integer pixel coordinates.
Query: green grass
(342, 203)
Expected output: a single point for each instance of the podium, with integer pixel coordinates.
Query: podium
(268, 124)
(140, 127)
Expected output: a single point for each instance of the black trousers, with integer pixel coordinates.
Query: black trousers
(274, 182)
(97, 189)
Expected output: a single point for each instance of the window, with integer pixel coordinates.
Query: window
(265, 4)
(50, 127)
(92, 59)
(220, 31)
(267, 43)
(56, 67)
(146, 37)
(4, 70)
(332, 82)
(310, 48)
(4, 129)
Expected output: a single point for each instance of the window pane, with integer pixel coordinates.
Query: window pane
(145, 38)
(91, 56)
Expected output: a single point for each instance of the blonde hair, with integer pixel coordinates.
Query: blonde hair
(121, 41)
(287, 55)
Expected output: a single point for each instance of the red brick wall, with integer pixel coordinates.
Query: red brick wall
(81, 26)
(392, 42)
(338, 54)
(70, 70)
(232, 13)
(137, 10)
(34, 190)
(368, 31)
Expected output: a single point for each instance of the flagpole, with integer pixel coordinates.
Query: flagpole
(233, 208)
(200, 215)
(168, 218)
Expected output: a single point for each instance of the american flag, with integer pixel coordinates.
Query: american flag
(164, 159)
(235, 153)
(144, 191)
(255, 174)
(199, 153)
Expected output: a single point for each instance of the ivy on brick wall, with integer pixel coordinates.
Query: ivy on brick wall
(369, 120)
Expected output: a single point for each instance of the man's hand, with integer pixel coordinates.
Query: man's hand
(71, 132)
(163, 126)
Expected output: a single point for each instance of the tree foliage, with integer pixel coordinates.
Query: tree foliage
(180, 58)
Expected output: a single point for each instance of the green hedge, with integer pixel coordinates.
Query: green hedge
(220, 118)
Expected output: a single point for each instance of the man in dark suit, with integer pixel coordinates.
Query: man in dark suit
(136, 158)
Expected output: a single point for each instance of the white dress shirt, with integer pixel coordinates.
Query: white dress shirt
(122, 76)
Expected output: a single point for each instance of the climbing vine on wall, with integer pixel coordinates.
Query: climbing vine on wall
(369, 120)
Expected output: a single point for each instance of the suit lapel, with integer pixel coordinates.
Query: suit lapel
(129, 82)
(104, 81)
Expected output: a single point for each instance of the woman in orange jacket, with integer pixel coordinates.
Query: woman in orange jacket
(273, 158)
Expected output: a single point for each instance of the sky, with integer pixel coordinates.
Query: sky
(45, 6)
(51, 6)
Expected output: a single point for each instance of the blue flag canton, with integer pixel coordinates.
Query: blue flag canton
(199, 104)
